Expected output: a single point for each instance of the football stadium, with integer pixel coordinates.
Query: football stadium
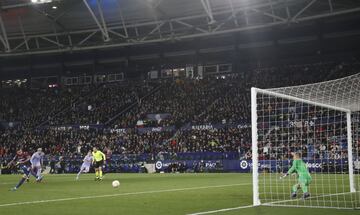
(184, 107)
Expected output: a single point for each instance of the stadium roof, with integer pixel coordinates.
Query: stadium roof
(71, 25)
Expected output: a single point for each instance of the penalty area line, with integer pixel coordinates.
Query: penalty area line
(222, 210)
(119, 194)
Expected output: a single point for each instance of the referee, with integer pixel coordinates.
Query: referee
(99, 159)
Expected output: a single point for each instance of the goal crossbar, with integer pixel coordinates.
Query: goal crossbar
(284, 96)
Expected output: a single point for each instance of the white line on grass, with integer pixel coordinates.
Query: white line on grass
(312, 197)
(120, 194)
(222, 210)
(276, 203)
(5, 183)
(309, 206)
(14, 183)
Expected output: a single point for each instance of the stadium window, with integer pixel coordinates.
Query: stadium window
(225, 68)
(88, 80)
(166, 73)
(119, 77)
(75, 81)
(111, 78)
(211, 69)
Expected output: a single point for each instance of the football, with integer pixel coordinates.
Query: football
(115, 183)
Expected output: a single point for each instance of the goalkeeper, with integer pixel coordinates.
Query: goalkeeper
(303, 176)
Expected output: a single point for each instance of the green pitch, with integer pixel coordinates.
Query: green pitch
(329, 190)
(140, 194)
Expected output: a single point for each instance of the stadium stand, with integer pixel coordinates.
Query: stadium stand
(149, 121)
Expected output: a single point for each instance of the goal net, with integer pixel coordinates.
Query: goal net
(320, 123)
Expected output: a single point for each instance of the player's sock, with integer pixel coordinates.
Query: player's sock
(33, 173)
(97, 173)
(20, 183)
(39, 176)
(304, 188)
(77, 176)
(100, 173)
(294, 188)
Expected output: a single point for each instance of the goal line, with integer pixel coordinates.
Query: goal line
(278, 203)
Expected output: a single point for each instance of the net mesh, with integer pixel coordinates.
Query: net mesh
(342, 93)
(314, 124)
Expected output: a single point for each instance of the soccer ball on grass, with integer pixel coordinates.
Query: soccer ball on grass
(116, 184)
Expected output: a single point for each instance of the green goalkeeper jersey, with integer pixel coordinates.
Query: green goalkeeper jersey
(299, 166)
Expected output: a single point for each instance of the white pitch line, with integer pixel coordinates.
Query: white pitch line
(312, 197)
(307, 206)
(4, 183)
(14, 183)
(120, 194)
(222, 210)
(275, 204)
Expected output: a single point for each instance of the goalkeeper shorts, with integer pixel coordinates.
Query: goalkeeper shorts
(304, 181)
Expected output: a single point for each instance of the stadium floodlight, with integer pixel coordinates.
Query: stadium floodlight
(41, 1)
(319, 122)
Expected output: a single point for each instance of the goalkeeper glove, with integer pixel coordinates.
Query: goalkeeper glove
(283, 176)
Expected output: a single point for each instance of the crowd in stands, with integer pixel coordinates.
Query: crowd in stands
(232, 107)
(103, 104)
(210, 100)
(184, 100)
(213, 140)
(78, 142)
(32, 106)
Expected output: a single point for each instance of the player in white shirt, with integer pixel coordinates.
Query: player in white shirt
(36, 161)
(85, 167)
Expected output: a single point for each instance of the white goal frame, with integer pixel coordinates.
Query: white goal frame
(255, 154)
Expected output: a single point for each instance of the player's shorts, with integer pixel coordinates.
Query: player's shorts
(36, 166)
(85, 168)
(98, 164)
(25, 169)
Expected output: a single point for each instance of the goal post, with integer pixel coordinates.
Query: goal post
(319, 121)
(254, 148)
(350, 152)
